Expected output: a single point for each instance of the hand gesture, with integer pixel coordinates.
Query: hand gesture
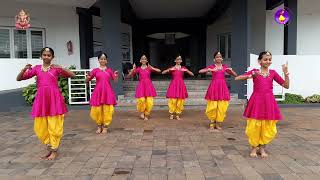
(116, 73)
(285, 68)
(28, 66)
(254, 74)
(134, 66)
(212, 70)
(184, 69)
(88, 75)
(149, 66)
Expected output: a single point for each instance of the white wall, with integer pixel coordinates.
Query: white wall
(303, 80)
(308, 22)
(274, 33)
(221, 26)
(12, 68)
(308, 29)
(61, 25)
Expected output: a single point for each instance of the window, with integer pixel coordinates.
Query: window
(36, 43)
(229, 46)
(4, 43)
(224, 45)
(21, 43)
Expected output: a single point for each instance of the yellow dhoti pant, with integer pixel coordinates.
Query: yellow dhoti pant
(217, 110)
(49, 130)
(145, 105)
(175, 105)
(261, 132)
(102, 115)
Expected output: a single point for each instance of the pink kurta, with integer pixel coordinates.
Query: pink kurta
(48, 100)
(218, 89)
(262, 104)
(103, 93)
(177, 88)
(145, 87)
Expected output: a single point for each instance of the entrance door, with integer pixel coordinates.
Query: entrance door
(163, 49)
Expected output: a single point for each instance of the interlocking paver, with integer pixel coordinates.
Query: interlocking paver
(162, 148)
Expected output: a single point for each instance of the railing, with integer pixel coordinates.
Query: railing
(79, 91)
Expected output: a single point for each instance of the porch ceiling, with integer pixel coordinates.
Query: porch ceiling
(151, 9)
(72, 3)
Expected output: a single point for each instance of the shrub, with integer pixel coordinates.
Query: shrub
(292, 99)
(313, 99)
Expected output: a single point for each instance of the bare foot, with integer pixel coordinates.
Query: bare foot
(253, 153)
(263, 153)
(52, 156)
(146, 118)
(218, 127)
(212, 128)
(142, 116)
(171, 116)
(98, 131)
(104, 131)
(178, 118)
(46, 156)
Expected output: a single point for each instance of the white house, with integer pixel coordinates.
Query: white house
(126, 29)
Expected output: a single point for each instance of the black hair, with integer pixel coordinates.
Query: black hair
(105, 54)
(215, 54)
(145, 56)
(177, 55)
(45, 49)
(263, 53)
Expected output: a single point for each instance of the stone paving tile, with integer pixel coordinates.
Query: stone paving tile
(291, 176)
(162, 148)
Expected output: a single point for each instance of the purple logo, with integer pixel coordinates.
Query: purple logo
(282, 16)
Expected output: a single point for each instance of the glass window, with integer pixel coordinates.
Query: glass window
(229, 46)
(4, 43)
(222, 45)
(36, 43)
(20, 44)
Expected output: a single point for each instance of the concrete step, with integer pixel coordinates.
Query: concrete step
(165, 83)
(163, 93)
(162, 100)
(196, 90)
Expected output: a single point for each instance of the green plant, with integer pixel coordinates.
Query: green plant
(30, 91)
(313, 99)
(292, 99)
(63, 86)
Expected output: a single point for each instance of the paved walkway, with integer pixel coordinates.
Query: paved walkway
(162, 148)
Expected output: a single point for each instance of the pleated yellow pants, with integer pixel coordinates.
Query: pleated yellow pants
(261, 132)
(102, 115)
(217, 110)
(175, 105)
(49, 130)
(145, 105)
